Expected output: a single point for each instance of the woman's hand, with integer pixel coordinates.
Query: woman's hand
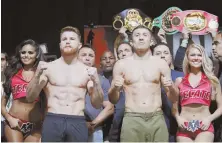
(181, 122)
(13, 122)
(205, 124)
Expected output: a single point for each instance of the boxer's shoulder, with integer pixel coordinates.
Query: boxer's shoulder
(80, 65)
(158, 61)
(53, 64)
(124, 61)
(120, 63)
(155, 58)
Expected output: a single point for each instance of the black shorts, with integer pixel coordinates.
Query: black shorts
(64, 128)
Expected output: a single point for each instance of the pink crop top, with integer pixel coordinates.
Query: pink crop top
(19, 86)
(200, 94)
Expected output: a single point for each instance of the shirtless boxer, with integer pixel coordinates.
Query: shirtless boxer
(141, 78)
(65, 82)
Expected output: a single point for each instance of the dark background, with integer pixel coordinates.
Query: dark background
(41, 20)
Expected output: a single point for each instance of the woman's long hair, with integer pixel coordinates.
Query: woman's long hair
(15, 63)
(207, 68)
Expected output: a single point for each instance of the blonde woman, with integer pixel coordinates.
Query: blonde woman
(197, 89)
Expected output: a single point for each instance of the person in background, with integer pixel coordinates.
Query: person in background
(24, 119)
(95, 117)
(122, 47)
(217, 59)
(124, 50)
(162, 50)
(4, 63)
(197, 89)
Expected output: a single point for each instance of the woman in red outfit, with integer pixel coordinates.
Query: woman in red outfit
(196, 90)
(24, 120)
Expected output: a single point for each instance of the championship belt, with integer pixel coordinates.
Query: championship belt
(195, 21)
(130, 19)
(164, 20)
(193, 125)
(26, 127)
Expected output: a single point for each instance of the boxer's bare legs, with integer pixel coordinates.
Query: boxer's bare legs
(65, 82)
(140, 78)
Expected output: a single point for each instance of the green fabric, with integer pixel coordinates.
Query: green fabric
(144, 127)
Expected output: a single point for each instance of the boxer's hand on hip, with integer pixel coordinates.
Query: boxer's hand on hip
(118, 83)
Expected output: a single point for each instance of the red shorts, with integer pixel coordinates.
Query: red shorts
(192, 135)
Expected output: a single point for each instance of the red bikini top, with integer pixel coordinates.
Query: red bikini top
(19, 86)
(200, 94)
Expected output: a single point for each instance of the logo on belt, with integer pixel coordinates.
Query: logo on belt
(196, 21)
(130, 19)
(26, 127)
(193, 125)
(164, 20)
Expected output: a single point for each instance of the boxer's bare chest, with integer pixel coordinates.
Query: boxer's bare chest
(138, 71)
(64, 75)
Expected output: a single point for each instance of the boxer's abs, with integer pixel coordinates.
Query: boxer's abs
(143, 100)
(67, 100)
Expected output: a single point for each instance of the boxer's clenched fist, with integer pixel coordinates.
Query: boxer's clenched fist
(90, 86)
(118, 83)
(41, 67)
(167, 82)
(92, 72)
